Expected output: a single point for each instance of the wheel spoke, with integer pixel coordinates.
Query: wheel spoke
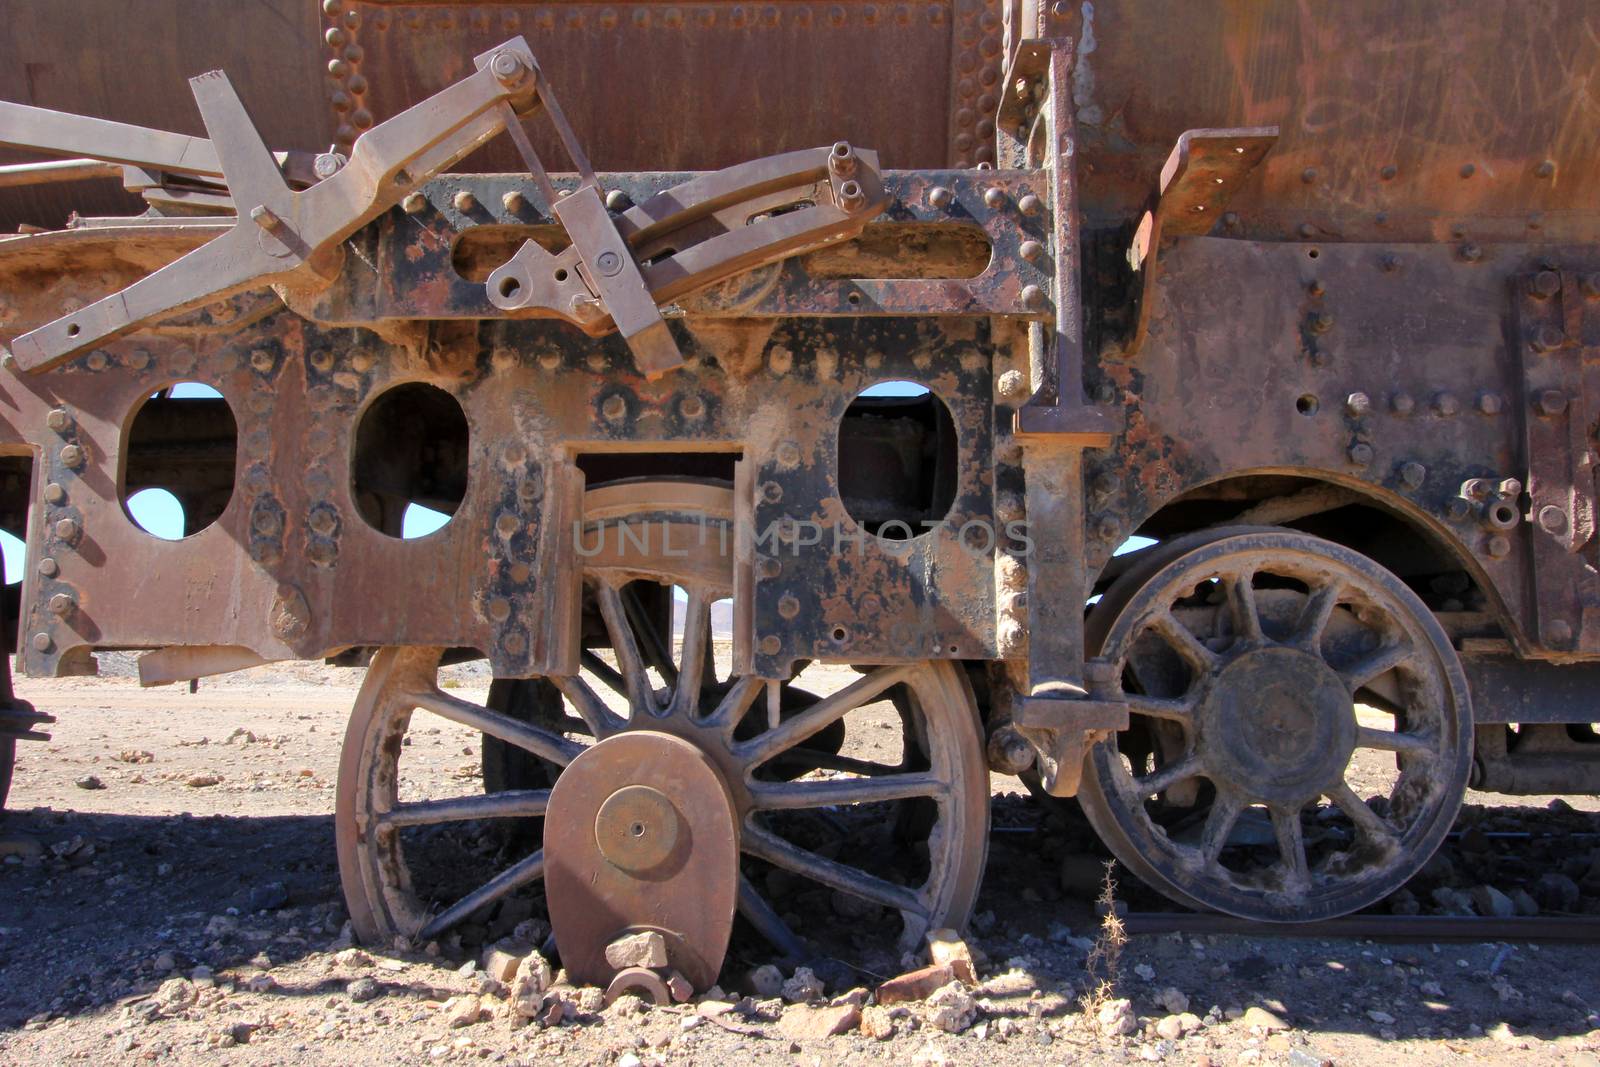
(1367, 821)
(510, 804)
(821, 760)
(591, 662)
(1184, 642)
(624, 644)
(1175, 709)
(540, 742)
(820, 715)
(696, 639)
(763, 844)
(754, 907)
(825, 793)
(1375, 664)
(1225, 811)
(1241, 593)
(731, 709)
(1314, 615)
(601, 720)
(1394, 741)
(1160, 781)
(657, 652)
(519, 874)
(1291, 850)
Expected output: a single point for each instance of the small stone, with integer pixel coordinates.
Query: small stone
(1256, 1015)
(766, 981)
(1115, 1018)
(1490, 901)
(1382, 1018)
(678, 988)
(267, 897)
(1308, 1057)
(591, 1000)
(1556, 892)
(712, 1009)
(803, 987)
(1524, 903)
(362, 990)
(947, 949)
(528, 985)
(646, 949)
(1173, 1000)
(200, 781)
(1145, 971)
(914, 985)
(352, 957)
(952, 1008)
(877, 1024)
(628, 1059)
(1170, 1027)
(627, 1005)
(801, 1023)
(164, 961)
(175, 994)
(260, 983)
(501, 959)
(462, 1011)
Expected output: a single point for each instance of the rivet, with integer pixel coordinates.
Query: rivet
(1033, 298)
(1499, 546)
(770, 645)
(48, 567)
(261, 360)
(67, 530)
(506, 524)
(1357, 404)
(1389, 262)
(499, 609)
(1467, 170)
(58, 420)
(1307, 230)
(1553, 520)
(324, 521)
(61, 604)
(1316, 288)
(1308, 175)
(41, 642)
(1558, 633)
(768, 567)
(520, 573)
(514, 642)
(1413, 474)
(514, 202)
(1457, 508)
(414, 203)
(97, 361)
(1470, 252)
(1402, 404)
(692, 407)
(1031, 251)
(614, 407)
(54, 493)
(464, 201)
(1446, 404)
(787, 454)
(1489, 403)
(940, 197)
(1552, 402)
(771, 492)
(71, 456)
(550, 360)
(1548, 338)
(1388, 172)
(1108, 529)
(266, 522)
(788, 606)
(1545, 169)
(1322, 322)
(617, 200)
(1230, 219)
(1360, 454)
(1029, 204)
(1106, 483)
(1012, 386)
(994, 198)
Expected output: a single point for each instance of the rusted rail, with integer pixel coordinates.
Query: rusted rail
(1378, 927)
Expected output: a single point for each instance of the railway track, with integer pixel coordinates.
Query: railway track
(1541, 928)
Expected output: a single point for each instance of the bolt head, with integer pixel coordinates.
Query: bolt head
(1360, 454)
(1545, 284)
(499, 609)
(1470, 252)
(327, 164)
(1413, 474)
(513, 202)
(768, 567)
(67, 530)
(54, 493)
(940, 197)
(770, 645)
(261, 360)
(617, 200)
(464, 201)
(994, 198)
(414, 203)
(58, 420)
(614, 407)
(1458, 508)
(1033, 298)
(72, 456)
(1357, 404)
(1029, 204)
(1498, 546)
(788, 606)
(1489, 403)
(1322, 322)
(41, 642)
(61, 603)
(1551, 402)
(1402, 404)
(1446, 404)
(508, 67)
(1031, 251)
(692, 407)
(48, 567)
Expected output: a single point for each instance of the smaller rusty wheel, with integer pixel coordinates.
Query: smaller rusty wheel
(1269, 675)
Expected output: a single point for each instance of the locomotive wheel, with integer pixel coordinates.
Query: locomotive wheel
(1244, 654)
(789, 783)
(8, 758)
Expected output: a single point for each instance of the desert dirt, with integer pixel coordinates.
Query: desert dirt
(188, 910)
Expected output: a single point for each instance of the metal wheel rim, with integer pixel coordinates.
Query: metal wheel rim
(1432, 778)
(373, 868)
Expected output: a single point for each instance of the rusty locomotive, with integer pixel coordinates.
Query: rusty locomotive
(1307, 297)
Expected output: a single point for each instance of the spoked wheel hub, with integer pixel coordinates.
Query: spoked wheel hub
(655, 792)
(1279, 722)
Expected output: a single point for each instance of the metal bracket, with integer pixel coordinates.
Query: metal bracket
(1062, 725)
(1204, 170)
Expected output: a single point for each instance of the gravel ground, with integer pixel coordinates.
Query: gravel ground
(188, 911)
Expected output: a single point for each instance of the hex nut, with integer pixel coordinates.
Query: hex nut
(58, 420)
(1489, 403)
(48, 567)
(68, 530)
(1498, 546)
(61, 604)
(72, 456)
(1357, 404)
(54, 493)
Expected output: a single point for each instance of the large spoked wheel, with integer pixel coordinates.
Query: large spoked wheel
(903, 836)
(1300, 729)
